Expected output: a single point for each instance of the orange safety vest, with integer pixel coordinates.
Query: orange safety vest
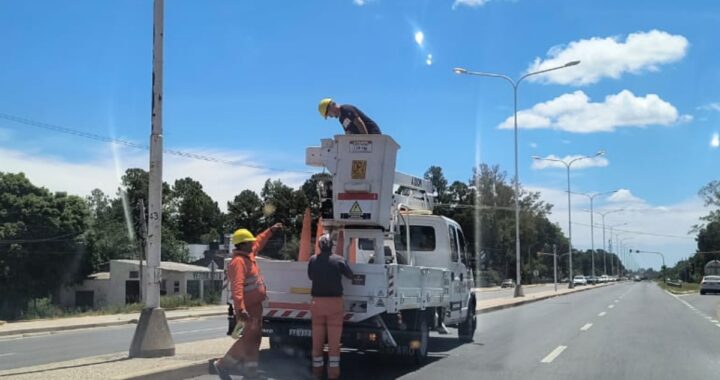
(244, 276)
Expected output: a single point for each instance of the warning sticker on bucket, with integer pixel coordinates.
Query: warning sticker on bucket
(360, 146)
(355, 210)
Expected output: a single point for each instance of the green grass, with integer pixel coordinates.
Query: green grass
(42, 308)
(687, 287)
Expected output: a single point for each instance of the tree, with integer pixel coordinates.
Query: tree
(437, 178)
(708, 238)
(42, 246)
(244, 211)
(198, 215)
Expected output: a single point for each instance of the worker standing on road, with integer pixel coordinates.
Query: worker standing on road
(327, 309)
(353, 121)
(248, 292)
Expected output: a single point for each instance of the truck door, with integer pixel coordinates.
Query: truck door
(458, 293)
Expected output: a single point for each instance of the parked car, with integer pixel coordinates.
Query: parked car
(710, 284)
(592, 280)
(579, 280)
(508, 283)
(636, 278)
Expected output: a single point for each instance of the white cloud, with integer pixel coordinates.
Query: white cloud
(359, 3)
(419, 38)
(646, 224)
(590, 162)
(221, 181)
(624, 196)
(610, 57)
(469, 3)
(710, 107)
(533, 145)
(428, 60)
(715, 141)
(573, 112)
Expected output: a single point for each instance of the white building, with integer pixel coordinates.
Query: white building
(122, 284)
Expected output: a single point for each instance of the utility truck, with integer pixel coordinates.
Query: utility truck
(412, 272)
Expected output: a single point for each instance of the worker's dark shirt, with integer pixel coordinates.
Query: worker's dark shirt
(349, 113)
(324, 271)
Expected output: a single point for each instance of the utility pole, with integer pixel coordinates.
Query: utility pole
(142, 238)
(152, 336)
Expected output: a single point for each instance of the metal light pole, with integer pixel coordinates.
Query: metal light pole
(554, 255)
(514, 83)
(657, 253)
(621, 249)
(592, 196)
(568, 164)
(610, 240)
(604, 249)
(152, 336)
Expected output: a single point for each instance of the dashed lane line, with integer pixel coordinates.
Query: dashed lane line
(553, 355)
(586, 327)
(602, 314)
(611, 306)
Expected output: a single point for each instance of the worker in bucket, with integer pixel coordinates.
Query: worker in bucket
(353, 121)
(248, 292)
(325, 271)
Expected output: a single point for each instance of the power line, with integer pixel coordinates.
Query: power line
(639, 232)
(131, 144)
(41, 240)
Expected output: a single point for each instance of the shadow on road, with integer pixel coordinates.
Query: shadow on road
(354, 364)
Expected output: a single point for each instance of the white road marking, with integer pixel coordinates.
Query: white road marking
(602, 314)
(611, 306)
(616, 301)
(8, 354)
(554, 354)
(586, 327)
(714, 320)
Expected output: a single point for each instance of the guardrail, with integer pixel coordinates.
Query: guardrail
(677, 284)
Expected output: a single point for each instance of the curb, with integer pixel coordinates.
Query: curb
(102, 324)
(530, 300)
(195, 369)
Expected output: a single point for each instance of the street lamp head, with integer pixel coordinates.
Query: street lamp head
(572, 63)
(536, 158)
(459, 70)
(600, 153)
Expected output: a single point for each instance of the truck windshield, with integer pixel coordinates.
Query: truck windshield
(422, 238)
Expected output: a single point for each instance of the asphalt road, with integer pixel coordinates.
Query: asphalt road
(624, 331)
(73, 344)
(709, 304)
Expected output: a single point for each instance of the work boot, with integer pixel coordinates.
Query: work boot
(222, 371)
(441, 329)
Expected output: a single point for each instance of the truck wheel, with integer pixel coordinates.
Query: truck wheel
(423, 336)
(466, 329)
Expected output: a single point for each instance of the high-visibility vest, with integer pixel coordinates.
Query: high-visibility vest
(246, 282)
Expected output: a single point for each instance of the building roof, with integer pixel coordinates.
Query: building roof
(100, 276)
(170, 266)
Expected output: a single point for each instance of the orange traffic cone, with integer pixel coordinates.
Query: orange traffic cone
(305, 236)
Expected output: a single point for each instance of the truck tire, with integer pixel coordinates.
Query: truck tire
(466, 328)
(423, 335)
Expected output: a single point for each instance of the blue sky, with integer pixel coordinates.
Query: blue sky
(243, 78)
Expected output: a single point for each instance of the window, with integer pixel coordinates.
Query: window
(134, 274)
(422, 238)
(463, 247)
(452, 235)
(366, 244)
(163, 287)
(176, 287)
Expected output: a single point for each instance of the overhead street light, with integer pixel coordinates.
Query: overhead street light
(592, 196)
(568, 164)
(657, 253)
(514, 84)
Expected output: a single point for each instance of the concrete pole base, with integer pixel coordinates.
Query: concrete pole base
(571, 285)
(519, 291)
(152, 337)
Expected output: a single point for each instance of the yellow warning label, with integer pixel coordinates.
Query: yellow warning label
(359, 169)
(355, 210)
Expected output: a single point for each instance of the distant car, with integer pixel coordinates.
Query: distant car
(636, 278)
(710, 284)
(508, 283)
(580, 280)
(592, 280)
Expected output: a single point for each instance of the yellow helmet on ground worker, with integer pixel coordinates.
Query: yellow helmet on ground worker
(323, 107)
(241, 236)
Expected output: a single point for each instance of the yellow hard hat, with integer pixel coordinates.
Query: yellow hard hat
(241, 236)
(323, 107)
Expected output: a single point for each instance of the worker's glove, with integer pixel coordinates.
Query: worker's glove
(276, 227)
(243, 315)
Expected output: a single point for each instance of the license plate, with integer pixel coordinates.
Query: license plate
(300, 332)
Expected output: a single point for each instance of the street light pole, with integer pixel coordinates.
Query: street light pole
(554, 255)
(604, 241)
(514, 84)
(568, 164)
(592, 196)
(662, 270)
